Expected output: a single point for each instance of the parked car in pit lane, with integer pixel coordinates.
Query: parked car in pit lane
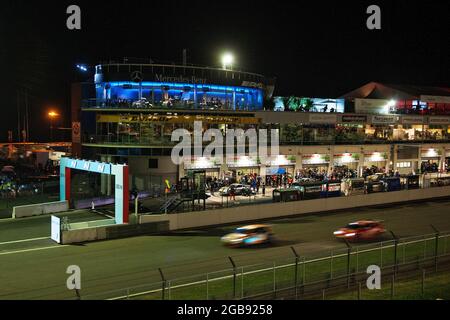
(239, 189)
(361, 230)
(249, 235)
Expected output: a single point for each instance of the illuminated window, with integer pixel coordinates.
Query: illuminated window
(406, 164)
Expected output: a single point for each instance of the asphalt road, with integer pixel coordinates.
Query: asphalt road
(36, 270)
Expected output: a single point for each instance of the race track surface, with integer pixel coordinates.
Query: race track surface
(33, 267)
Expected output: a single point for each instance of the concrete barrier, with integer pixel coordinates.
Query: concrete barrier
(40, 209)
(278, 210)
(81, 235)
(153, 218)
(112, 232)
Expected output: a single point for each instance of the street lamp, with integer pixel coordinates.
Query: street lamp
(227, 60)
(52, 115)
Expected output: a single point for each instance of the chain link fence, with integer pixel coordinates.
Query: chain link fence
(298, 276)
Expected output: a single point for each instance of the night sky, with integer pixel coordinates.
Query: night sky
(317, 48)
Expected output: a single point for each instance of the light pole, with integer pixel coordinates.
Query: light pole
(52, 115)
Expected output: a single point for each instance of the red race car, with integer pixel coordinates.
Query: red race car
(366, 229)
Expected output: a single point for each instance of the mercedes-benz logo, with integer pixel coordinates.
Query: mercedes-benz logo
(136, 76)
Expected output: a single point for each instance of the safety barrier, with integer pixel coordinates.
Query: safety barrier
(276, 210)
(90, 232)
(40, 209)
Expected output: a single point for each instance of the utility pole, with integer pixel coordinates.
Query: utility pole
(27, 117)
(184, 57)
(18, 116)
(24, 130)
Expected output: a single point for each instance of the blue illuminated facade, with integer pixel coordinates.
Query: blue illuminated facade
(181, 94)
(182, 87)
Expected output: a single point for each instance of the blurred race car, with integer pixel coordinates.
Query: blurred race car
(249, 235)
(366, 229)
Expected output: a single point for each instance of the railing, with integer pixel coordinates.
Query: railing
(143, 67)
(143, 104)
(337, 140)
(127, 139)
(294, 273)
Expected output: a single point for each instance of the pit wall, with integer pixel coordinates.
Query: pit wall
(276, 210)
(112, 232)
(40, 209)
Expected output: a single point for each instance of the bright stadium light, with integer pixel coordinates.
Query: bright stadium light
(227, 60)
(82, 67)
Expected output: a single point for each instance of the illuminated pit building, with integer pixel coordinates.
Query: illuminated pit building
(128, 116)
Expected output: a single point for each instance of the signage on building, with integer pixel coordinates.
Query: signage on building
(353, 119)
(435, 99)
(243, 162)
(375, 156)
(76, 132)
(315, 159)
(91, 166)
(136, 76)
(430, 153)
(180, 79)
(201, 163)
(439, 120)
(281, 160)
(322, 118)
(373, 106)
(384, 119)
(341, 159)
(252, 84)
(412, 120)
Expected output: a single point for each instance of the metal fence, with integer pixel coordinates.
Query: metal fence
(418, 279)
(294, 276)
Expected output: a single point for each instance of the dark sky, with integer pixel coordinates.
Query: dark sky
(317, 48)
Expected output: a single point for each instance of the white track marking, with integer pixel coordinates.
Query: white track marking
(24, 240)
(35, 249)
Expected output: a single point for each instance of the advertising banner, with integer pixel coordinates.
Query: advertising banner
(439, 120)
(353, 119)
(305, 104)
(435, 99)
(342, 159)
(375, 156)
(323, 118)
(202, 163)
(315, 159)
(373, 106)
(76, 136)
(412, 120)
(384, 119)
(92, 166)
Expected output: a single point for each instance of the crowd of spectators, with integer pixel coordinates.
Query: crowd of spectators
(212, 103)
(428, 166)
